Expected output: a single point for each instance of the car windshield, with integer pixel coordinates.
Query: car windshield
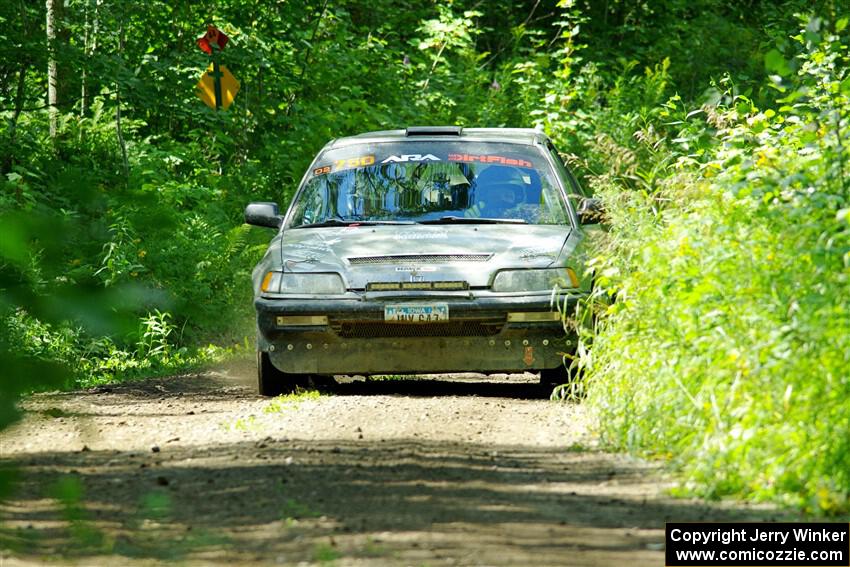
(437, 182)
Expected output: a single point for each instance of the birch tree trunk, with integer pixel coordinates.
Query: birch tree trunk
(54, 16)
(92, 25)
(84, 73)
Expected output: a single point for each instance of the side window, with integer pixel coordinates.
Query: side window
(574, 190)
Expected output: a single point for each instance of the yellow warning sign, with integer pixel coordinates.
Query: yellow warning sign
(228, 86)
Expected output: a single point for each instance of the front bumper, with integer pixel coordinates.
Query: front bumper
(356, 340)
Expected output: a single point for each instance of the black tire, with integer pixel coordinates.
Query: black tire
(272, 382)
(556, 376)
(565, 383)
(321, 381)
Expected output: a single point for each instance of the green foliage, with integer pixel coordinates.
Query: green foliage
(287, 402)
(727, 349)
(95, 360)
(325, 554)
(446, 44)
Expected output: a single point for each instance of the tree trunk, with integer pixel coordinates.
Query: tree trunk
(83, 71)
(92, 11)
(54, 16)
(13, 120)
(118, 131)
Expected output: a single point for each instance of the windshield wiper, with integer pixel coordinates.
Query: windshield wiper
(343, 222)
(470, 220)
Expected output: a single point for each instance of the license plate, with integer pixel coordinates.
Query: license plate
(418, 313)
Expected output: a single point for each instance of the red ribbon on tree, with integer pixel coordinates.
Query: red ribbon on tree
(213, 37)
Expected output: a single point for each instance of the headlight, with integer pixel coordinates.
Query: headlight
(309, 284)
(534, 280)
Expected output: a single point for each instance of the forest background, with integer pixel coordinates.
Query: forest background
(716, 133)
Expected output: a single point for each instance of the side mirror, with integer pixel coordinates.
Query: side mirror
(263, 214)
(591, 211)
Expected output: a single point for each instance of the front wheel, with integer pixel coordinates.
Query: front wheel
(566, 383)
(556, 376)
(273, 382)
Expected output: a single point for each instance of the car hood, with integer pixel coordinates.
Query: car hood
(390, 253)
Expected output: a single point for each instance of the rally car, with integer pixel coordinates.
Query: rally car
(423, 250)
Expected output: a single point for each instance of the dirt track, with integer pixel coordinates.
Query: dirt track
(200, 470)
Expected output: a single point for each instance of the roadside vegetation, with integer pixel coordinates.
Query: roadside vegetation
(728, 349)
(716, 133)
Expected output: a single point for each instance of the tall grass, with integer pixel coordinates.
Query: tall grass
(728, 349)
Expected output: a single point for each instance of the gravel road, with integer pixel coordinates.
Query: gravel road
(459, 470)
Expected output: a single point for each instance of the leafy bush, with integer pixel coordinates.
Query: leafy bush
(728, 348)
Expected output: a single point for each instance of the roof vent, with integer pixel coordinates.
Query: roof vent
(433, 131)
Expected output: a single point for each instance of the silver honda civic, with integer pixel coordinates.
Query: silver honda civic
(424, 250)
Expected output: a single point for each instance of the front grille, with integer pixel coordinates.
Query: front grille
(418, 259)
(417, 286)
(388, 330)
